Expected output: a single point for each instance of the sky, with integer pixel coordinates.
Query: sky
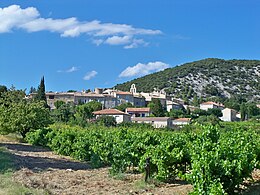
(83, 44)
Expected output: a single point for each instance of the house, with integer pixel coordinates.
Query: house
(210, 105)
(139, 101)
(82, 97)
(178, 101)
(139, 112)
(156, 122)
(52, 97)
(110, 101)
(117, 114)
(181, 121)
(192, 108)
(170, 105)
(229, 115)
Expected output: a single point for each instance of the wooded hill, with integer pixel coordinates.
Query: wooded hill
(205, 78)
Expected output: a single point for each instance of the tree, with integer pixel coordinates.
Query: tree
(85, 111)
(176, 113)
(199, 112)
(59, 103)
(32, 90)
(156, 107)
(63, 112)
(21, 115)
(3, 89)
(41, 92)
(252, 110)
(215, 111)
(94, 106)
(107, 121)
(243, 111)
(195, 101)
(122, 107)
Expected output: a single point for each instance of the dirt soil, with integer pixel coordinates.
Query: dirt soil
(38, 167)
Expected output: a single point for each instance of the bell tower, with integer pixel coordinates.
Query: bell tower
(133, 89)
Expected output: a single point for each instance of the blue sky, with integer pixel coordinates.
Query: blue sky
(82, 44)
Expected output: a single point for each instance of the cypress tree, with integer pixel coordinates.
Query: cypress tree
(243, 111)
(41, 92)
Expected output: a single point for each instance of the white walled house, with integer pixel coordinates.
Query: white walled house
(210, 105)
(117, 114)
(229, 115)
(156, 122)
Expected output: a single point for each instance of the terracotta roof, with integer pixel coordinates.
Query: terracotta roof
(109, 112)
(182, 120)
(138, 109)
(123, 93)
(212, 103)
(150, 118)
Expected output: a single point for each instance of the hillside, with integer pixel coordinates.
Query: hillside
(206, 78)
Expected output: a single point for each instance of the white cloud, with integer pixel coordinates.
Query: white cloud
(97, 42)
(143, 69)
(72, 69)
(117, 40)
(90, 75)
(136, 43)
(28, 19)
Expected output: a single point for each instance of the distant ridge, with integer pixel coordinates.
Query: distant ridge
(205, 78)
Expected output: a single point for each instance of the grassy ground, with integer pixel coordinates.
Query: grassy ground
(7, 185)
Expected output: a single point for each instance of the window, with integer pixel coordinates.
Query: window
(51, 97)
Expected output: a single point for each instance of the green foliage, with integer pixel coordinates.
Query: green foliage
(220, 162)
(243, 111)
(3, 89)
(156, 107)
(58, 104)
(21, 115)
(214, 111)
(199, 112)
(41, 92)
(107, 121)
(64, 112)
(38, 137)
(122, 107)
(85, 112)
(177, 113)
(214, 161)
(208, 120)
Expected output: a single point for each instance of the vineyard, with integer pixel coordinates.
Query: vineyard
(214, 161)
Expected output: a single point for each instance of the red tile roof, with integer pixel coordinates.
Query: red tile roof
(123, 93)
(138, 109)
(109, 112)
(212, 103)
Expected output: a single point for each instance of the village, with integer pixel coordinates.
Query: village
(139, 112)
